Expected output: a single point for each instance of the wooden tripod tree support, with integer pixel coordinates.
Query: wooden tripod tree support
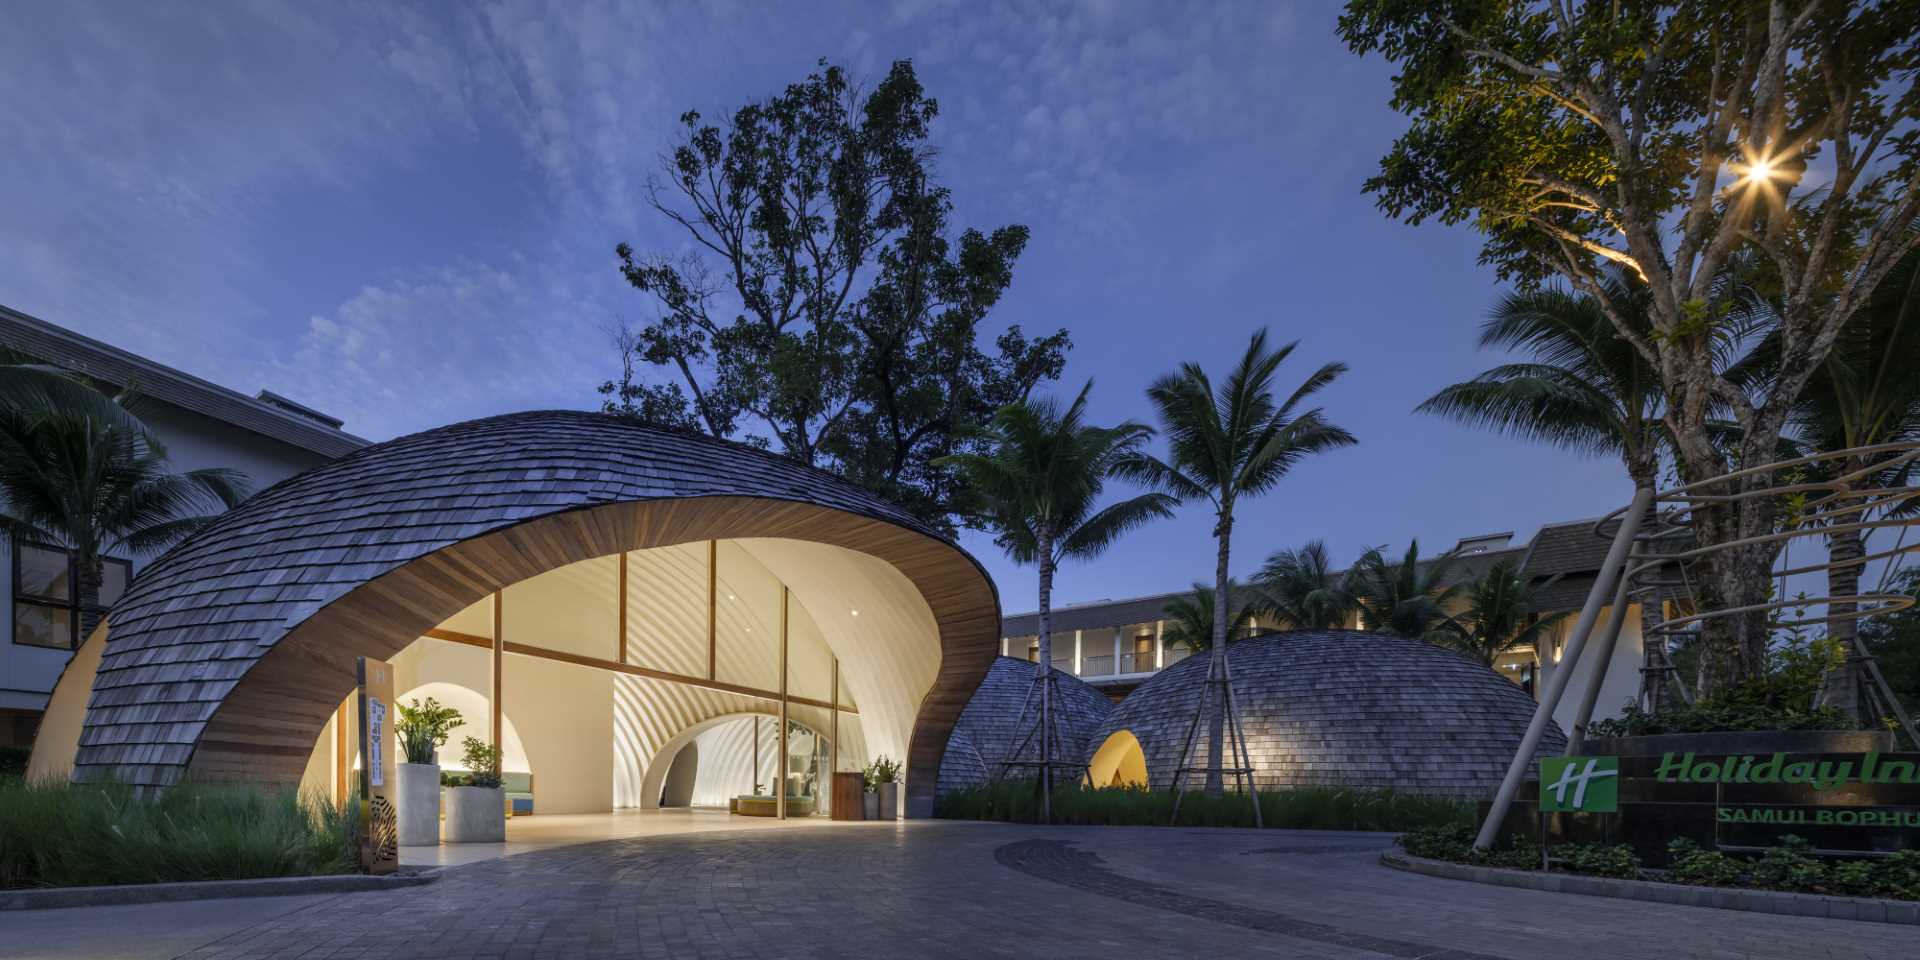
(1832, 505)
(1220, 678)
(1045, 724)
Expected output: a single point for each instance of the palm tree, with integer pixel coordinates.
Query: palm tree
(1039, 479)
(79, 468)
(1866, 393)
(1585, 389)
(1408, 597)
(1499, 615)
(1190, 620)
(1231, 443)
(1301, 588)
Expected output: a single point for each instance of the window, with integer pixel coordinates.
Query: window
(46, 605)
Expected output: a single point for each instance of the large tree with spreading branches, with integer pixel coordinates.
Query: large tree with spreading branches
(1670, 139)
(820, 302)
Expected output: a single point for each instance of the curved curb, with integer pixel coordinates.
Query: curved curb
(51, 897)
(1723, 898)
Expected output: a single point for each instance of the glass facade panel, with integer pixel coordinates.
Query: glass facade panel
(747, 625)
(667, 608)
(36, 625)
(44, 574)
(570, 609)
(809, 660)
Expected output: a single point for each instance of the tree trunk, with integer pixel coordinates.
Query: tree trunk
(1842, 687)
(1217, 721)
(1044, 670)
(1733, 647)
(89, 575)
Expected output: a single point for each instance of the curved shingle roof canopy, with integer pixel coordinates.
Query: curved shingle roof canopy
(1003, 709)
(1344, 708)
(227, 655)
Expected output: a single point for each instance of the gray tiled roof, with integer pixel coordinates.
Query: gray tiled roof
(1343, 708)
(63, 348)
(1000, 712)
(199, 617)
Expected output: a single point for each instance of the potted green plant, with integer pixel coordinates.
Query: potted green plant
(883, 786)
(477, 810)
(423, 729)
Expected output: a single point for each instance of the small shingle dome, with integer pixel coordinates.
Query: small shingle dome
(1343, 708)
(994, 718)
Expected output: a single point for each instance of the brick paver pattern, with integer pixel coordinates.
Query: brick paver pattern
(938, 889)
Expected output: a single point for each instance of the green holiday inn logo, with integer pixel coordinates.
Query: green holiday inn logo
(1751, 768)
(1579, 784)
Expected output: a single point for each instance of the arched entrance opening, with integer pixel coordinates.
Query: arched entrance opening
(1119, 762)
(677, 790)
(735, 756)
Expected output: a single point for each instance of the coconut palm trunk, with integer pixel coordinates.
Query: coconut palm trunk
(1044, 671)
(89, 576)
(1217, 668)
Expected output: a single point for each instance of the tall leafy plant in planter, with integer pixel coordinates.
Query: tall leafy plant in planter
(883, 785)
(423, 729)
(477, 810)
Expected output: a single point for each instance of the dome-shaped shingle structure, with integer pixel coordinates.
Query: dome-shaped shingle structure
(231, 652)
(1003, 709)
(1341, 708)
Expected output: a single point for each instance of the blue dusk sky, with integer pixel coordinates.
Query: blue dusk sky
(405, 216)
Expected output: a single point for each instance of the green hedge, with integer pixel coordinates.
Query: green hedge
(77, 835)
(1305, 808)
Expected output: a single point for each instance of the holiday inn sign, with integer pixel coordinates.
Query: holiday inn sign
(1820, 775)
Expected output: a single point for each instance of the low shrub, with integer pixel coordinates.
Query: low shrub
(1792, 867)
(1788, 867)
(1899, 875)
(1692, 864)
(58, 834)
(1305, 808)
(1599, 859)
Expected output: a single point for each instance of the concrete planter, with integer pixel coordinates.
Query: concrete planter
(476, 815)
(872, 802)
(419, 804)
(889, 801)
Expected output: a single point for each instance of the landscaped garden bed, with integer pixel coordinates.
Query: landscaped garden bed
(58, 835)
(1303, 808)
(1789, 867)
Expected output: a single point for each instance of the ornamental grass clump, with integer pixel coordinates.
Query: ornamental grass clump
(59, 834)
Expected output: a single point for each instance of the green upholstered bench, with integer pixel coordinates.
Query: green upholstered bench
(761, 806)
(519, 790)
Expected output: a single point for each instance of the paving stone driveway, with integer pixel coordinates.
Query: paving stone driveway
(936, 889)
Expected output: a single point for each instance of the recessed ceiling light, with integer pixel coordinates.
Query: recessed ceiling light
(854, 612)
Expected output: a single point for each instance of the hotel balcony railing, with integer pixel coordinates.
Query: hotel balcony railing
(1104, 665)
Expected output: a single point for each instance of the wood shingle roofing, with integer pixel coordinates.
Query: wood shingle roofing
(206, 613)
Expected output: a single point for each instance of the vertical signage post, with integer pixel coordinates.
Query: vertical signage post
(379, 827)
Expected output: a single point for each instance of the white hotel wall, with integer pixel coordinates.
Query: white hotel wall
(1622, 684)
